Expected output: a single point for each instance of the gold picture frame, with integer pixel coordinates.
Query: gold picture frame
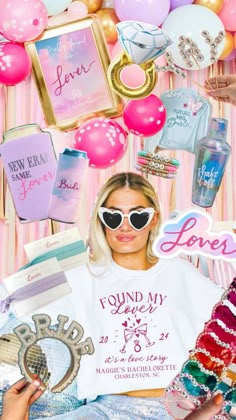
(69, 66)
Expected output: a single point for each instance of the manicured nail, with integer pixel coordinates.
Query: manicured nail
(37, 383)
(218, 399)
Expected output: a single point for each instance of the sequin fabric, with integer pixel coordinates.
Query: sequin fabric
(118, 407)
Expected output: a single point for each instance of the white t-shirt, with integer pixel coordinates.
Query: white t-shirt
(142, 323)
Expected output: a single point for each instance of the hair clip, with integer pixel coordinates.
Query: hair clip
(194, 389)
(194, 369)
(230, 295)
(224, 314)
(216, 348)
(209, 368)
(210, 363)
(178, 402)
(221, 417)
(232, 284)
(213, 327)
(230, 402)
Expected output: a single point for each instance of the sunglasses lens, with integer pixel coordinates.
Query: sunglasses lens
(139, 220)
(112, 220)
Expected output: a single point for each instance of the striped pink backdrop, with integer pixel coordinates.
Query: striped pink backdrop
(20, 105)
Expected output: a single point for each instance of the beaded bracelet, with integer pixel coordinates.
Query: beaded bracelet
(156, 164)
(215, 347)
(207, 371)
(209, 362)
(223, 313)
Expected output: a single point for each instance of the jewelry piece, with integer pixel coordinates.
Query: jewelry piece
(216, 348)
(142, 43)
(158, 157)
(193, 387)
(211, 363)
(214, 328)
(230, 295)
(209, 368)
(156, 164)
(189, 49)
(180, 403)
(149, 171)
(230, 401)
(42, 325)
(202, 376)
(213, 42)
(224, 314)
(221, 417)
(170, 66)
(233, 284)
(114, 77)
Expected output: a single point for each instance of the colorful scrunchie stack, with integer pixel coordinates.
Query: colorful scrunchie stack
(208, 369)
(157, 164)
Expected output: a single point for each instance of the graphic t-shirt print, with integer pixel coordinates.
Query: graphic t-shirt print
(133, 345)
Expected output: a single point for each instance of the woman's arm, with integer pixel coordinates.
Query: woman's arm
(222, 88)
(18, 399)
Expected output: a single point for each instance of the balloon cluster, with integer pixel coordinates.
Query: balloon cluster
(19, 23)
(202, 32)
(180, 17)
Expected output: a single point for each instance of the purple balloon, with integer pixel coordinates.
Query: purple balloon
(177, 3)
(148, 11)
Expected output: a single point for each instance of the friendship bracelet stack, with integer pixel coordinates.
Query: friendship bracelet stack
(209, 369)
(157, 164)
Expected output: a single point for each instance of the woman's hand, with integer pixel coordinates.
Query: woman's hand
(222, 88)
(208, 410)
(18, 399)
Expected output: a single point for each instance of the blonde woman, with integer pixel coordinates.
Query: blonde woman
(142, 313)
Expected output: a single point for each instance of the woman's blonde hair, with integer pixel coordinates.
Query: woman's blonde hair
(99, 250)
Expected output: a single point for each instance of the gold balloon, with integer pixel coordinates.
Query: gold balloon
(228, 46)
(214, 5)
(92, 5)
(114, 77)
(109, 19)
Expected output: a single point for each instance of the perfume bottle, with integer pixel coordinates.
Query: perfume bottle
(29, 163)
(72, 171)
(211, 156)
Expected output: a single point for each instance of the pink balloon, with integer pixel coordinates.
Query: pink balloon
(15, 64)
(22, 21)
(59, 19)
(146, 116)
(228, 15)
(77, 10)
(103, 139)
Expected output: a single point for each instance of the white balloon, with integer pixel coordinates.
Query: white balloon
(190, 21)
(108, 3)
(54, 7)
